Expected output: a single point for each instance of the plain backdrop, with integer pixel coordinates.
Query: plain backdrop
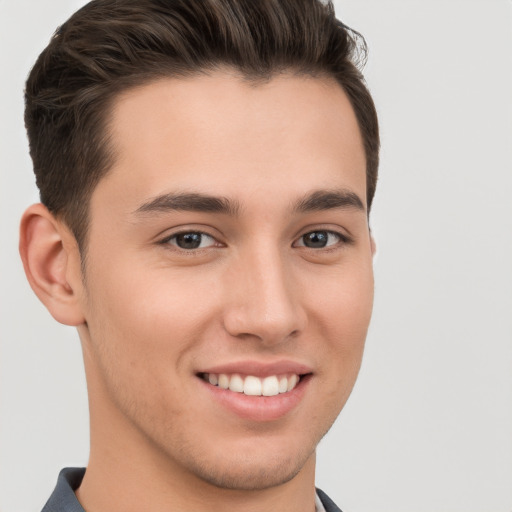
(429, 425)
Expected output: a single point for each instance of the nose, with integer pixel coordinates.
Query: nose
(264, 300)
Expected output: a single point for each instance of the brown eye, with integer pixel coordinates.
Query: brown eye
(319, 239)
(316, 239)
(191, 240)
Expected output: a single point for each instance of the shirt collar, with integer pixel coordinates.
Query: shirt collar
(319, 506)
(63, 498)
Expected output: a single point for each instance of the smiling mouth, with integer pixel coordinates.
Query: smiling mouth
(250, 385)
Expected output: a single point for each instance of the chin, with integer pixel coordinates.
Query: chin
(247, 474)
(258, 463)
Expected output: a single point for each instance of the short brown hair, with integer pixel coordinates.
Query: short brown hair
(109, 46)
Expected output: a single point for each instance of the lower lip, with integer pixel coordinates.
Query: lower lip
(259, 408)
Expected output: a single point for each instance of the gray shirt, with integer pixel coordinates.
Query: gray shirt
(63, 498)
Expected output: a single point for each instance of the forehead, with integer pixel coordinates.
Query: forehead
(219, 134)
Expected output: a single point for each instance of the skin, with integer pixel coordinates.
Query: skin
(151, 315)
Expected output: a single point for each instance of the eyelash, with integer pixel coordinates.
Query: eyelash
(342, 240)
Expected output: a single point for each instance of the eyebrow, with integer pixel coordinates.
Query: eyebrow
(329, 200)
(196, 202)
(192, 202)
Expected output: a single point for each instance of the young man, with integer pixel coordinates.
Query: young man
(206, 171)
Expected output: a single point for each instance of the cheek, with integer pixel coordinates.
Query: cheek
(141, 335)
(344, 311)
(144, 323)
(345, 304)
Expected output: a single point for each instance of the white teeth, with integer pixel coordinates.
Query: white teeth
(270, 386)
(223, 381)
(254, 386)
(236, 384)
(283, 385)
(292, 382)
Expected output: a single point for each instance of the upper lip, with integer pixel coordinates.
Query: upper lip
(259, 369)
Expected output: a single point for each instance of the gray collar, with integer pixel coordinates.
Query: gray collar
(63, 498)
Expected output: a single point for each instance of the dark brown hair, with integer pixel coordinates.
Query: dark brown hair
(109, 46)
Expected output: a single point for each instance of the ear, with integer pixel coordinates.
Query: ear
(373, 246)
(52, 264)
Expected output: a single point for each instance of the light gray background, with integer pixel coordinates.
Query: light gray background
(429, 426)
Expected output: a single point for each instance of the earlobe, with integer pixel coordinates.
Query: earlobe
(52, 264)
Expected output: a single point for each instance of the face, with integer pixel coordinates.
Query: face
(228, 284)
